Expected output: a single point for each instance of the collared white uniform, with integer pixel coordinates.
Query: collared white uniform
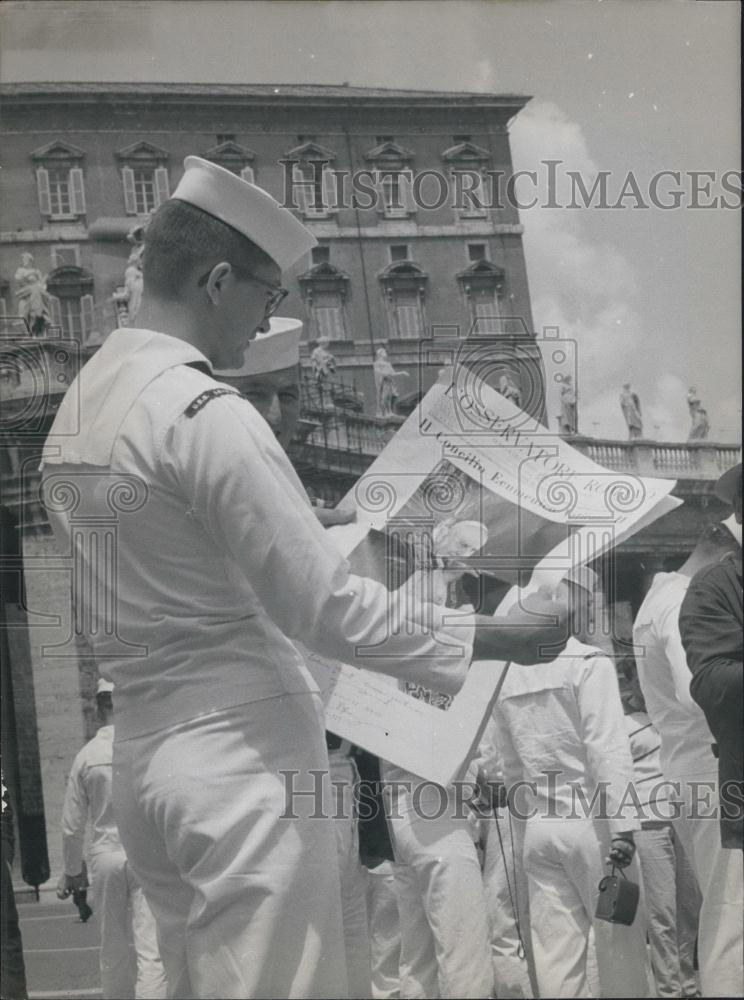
(561, 727)
(118, 900)
(687, 760)
(669, 884)
(218, 558)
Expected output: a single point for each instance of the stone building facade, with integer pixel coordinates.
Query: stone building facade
(397, 186)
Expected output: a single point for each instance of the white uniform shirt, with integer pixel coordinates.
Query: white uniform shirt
(651, 787)
(88, 796)
(665, 681)
(561, 724)
(219, 555)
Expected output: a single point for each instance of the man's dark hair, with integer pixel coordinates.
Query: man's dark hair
(181, 236)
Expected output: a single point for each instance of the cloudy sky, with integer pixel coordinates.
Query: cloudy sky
(640, 86)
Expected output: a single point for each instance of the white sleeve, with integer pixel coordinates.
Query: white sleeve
(668, 631)
(239, 482)
(606, 741)
(74, 820)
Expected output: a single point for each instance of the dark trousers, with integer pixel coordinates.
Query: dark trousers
(12, 968)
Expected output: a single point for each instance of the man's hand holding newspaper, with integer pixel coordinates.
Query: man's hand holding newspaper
(533, 630)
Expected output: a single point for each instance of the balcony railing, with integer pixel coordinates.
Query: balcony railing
(702, 460)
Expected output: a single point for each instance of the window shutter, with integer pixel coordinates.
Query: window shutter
(406, 193)
(127, 180)
(300, 189)
(87, 315)
(77, 191)
(247, 174)
(3, 308)
(486, 311)
(162, 192)
(329, 191)
(42, 184)
(409, 321)
(55, 307)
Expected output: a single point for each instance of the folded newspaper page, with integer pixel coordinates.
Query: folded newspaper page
(472, 504)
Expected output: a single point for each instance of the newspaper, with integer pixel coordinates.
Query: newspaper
(472, 504)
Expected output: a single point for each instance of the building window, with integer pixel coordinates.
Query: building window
(65, 255)
(321, 255)
(59, 181)
(313, 180)
(328, 315)
(476, 251)
(70, 289)
(482, 285)
(397, 195)
(324, 290)
(398, 251)
(223, 137)
(467, 163)
(395, 178)
(471, 187)
(404, 288)
(485, 310)
(380, 139)
(144, 177)
(409, 315)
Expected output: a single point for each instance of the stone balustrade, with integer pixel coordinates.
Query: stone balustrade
(701, 460)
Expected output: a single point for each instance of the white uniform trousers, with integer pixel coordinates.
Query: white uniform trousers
(564, 862)
(506, 894)
(445, 933)
(119, 903)
(384, 932)
(345, 780)
(238, 859)
(720, 875)
(672, 905)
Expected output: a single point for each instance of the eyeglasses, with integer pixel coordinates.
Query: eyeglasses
(277, 293)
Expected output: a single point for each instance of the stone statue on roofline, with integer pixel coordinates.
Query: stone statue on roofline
(34, 302)
(128, 297)
(385, 387)
(567, 419)
(322, 362)
(699, 416)
(630, 404)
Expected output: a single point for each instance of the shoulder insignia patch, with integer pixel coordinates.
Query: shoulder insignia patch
(203, 398)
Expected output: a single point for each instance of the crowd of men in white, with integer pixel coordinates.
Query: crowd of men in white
(219, 570)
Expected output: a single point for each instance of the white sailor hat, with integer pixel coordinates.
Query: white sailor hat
(104, 686)
(270, 352)
(245, 207)
(582, 576)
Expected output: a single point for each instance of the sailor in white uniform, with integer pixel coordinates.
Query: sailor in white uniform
(198, 558)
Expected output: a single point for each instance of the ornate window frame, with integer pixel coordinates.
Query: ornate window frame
(66, 285)
(313, 180)
(483, 278)
(324, 278)
(61, 198)
(404, 278)
(143, 157)
(468, 159)
(392, 163)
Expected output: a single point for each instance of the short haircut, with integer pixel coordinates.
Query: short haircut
(181, 236)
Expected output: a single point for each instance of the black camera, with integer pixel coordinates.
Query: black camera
(618, 900)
